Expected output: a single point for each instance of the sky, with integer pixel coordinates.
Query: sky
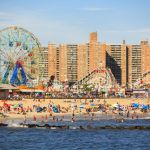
(71, 21)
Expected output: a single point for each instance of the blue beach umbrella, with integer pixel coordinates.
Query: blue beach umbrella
(135, 105)
(55, 109)
(39, 109)
(144, 107)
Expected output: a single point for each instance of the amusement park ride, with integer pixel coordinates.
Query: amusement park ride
(143, 81)
(19, 62)
(100, 78)
(18, 56)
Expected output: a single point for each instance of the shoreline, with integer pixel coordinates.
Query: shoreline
(68, 118)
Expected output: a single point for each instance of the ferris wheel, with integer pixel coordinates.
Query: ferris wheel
(18, 56)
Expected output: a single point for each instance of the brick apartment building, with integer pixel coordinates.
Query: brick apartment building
(72, 62)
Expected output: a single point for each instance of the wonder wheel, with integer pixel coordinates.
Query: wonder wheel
(18, 56)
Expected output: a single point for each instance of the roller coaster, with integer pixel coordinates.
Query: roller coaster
(101, 77)
(144, 81)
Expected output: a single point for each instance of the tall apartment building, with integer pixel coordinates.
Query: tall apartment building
(67, 63)
(97, 53)
(83, 61)
(73, 62)
(39, 66)
(138, 61)
(116, 61)
(145, 57)
(43, 63)
(52, 59)
(128, 62)
(63, 62)
(134, 63)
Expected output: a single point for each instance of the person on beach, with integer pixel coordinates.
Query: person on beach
(62, 118)
(128, 114)
(34, 119)
(54, 118)
(42, 119)
(73, 117)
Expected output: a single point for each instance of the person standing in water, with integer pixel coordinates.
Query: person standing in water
(73, 117)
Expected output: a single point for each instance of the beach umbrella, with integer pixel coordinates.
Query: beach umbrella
(82, 106)
(144, 107)
(39, 109)
(55, 109)
(92, 104)
(15, 106)
(116, 105)
(7, 105)
(135, 105)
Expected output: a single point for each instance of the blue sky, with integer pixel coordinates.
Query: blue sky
(71, 21)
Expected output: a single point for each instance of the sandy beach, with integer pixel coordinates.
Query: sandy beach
(68, 107)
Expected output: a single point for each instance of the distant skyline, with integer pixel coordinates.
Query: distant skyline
(71, 21)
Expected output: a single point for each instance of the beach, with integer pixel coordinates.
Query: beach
(78, 123)
(68, 108)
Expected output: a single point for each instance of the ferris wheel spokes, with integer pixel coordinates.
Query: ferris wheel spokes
(17, 44)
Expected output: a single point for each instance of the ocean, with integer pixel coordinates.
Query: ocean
(12, 138)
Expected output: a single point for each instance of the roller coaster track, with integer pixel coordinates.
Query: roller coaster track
(144, 80)
(90, 76)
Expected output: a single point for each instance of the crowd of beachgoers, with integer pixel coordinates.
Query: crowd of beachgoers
(89, 108)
